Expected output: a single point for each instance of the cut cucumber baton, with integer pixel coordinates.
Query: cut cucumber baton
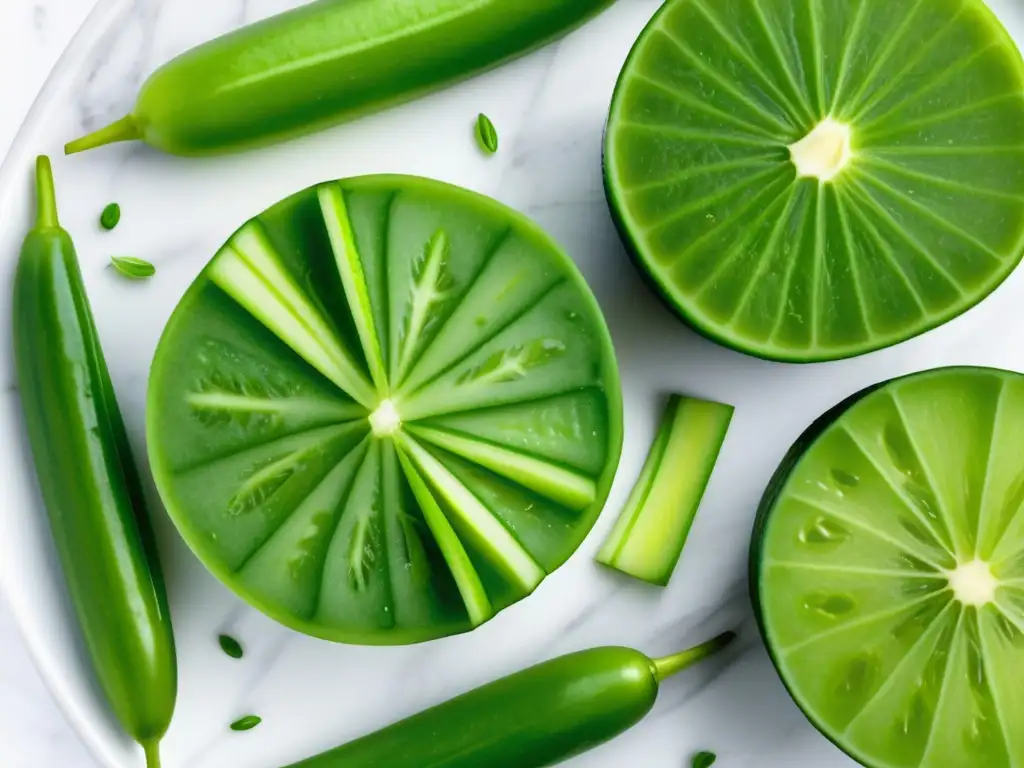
(385, 411)
(649, 536)
(809, 180)
(887, 571)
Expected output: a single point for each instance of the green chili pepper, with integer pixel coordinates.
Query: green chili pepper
(537, 717)
(89, 482)
(327, 62)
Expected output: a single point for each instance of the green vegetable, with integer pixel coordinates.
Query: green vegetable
(537, 717)
(887, 571)
(111, 216)
(230, 646)
(246, 723)
(89, 481)
(129, 266)
(704, 760)
(386, 410)
(327, 62)
(816, 180)
(486, 134)
(649, 536)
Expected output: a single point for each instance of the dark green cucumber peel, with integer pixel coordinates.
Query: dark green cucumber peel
(386, 410)
(537, 717)
(649, 536)
(90, 483)
(930, 590)
(327, 62)
(856, 280)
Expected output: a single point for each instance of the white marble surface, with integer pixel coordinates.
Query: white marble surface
(549, 109)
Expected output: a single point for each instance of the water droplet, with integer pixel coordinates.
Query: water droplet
(822, 530)
(829, 605)
(903, 560)
(914, 721)
(923, 499)
(913, 587)
(845, 478)
(858, 676)
(901, 452)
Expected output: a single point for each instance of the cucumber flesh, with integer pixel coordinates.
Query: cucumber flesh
(887, 571)
(386, 410)
(649, 536)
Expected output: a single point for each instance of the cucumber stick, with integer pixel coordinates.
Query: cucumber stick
(649, 536)
(327, 62)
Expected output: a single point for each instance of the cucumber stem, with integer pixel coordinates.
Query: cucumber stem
(670, 665)
(152, 752)
(125, 129)
(46, 197)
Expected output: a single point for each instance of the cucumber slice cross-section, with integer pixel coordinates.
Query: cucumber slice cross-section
(386, 410)
(886, 571)
(809, 180)
(649, 536)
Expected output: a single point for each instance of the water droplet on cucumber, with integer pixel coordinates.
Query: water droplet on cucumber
(831, 606)
(823, 530)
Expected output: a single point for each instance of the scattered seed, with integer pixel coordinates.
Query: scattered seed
(246, 723)
(129, 266)
(111, 216)
(231, 647)
(486, 134)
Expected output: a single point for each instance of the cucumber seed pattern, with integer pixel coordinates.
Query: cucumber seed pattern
(386, 410)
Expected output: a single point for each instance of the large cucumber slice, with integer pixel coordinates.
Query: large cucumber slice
(386, 410)
(814, 179)
(887, 571)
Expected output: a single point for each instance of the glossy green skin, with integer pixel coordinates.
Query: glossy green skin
(90, 484)
(923, 222)
(960, 706)
(335, 60)
(509, 292)
(534, 718)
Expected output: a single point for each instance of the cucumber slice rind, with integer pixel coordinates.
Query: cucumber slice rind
(832, 595)
(458, 560)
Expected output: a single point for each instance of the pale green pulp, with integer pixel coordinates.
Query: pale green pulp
(888, 572)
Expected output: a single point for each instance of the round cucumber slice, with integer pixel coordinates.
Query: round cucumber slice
(809, 180)
(386, 410)
(887, 571)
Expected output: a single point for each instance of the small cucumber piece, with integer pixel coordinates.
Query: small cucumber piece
(651, 531)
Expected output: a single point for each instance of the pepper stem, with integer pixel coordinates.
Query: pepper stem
(46, 198)
(152, 750)
(670, 665)
(124, 129)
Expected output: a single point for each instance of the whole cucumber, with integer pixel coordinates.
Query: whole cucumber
(89, 482)
(327, 62)
(537, 717)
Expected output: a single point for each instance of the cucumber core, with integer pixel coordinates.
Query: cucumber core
(973, 583)
(385, 421)
(823, 152)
